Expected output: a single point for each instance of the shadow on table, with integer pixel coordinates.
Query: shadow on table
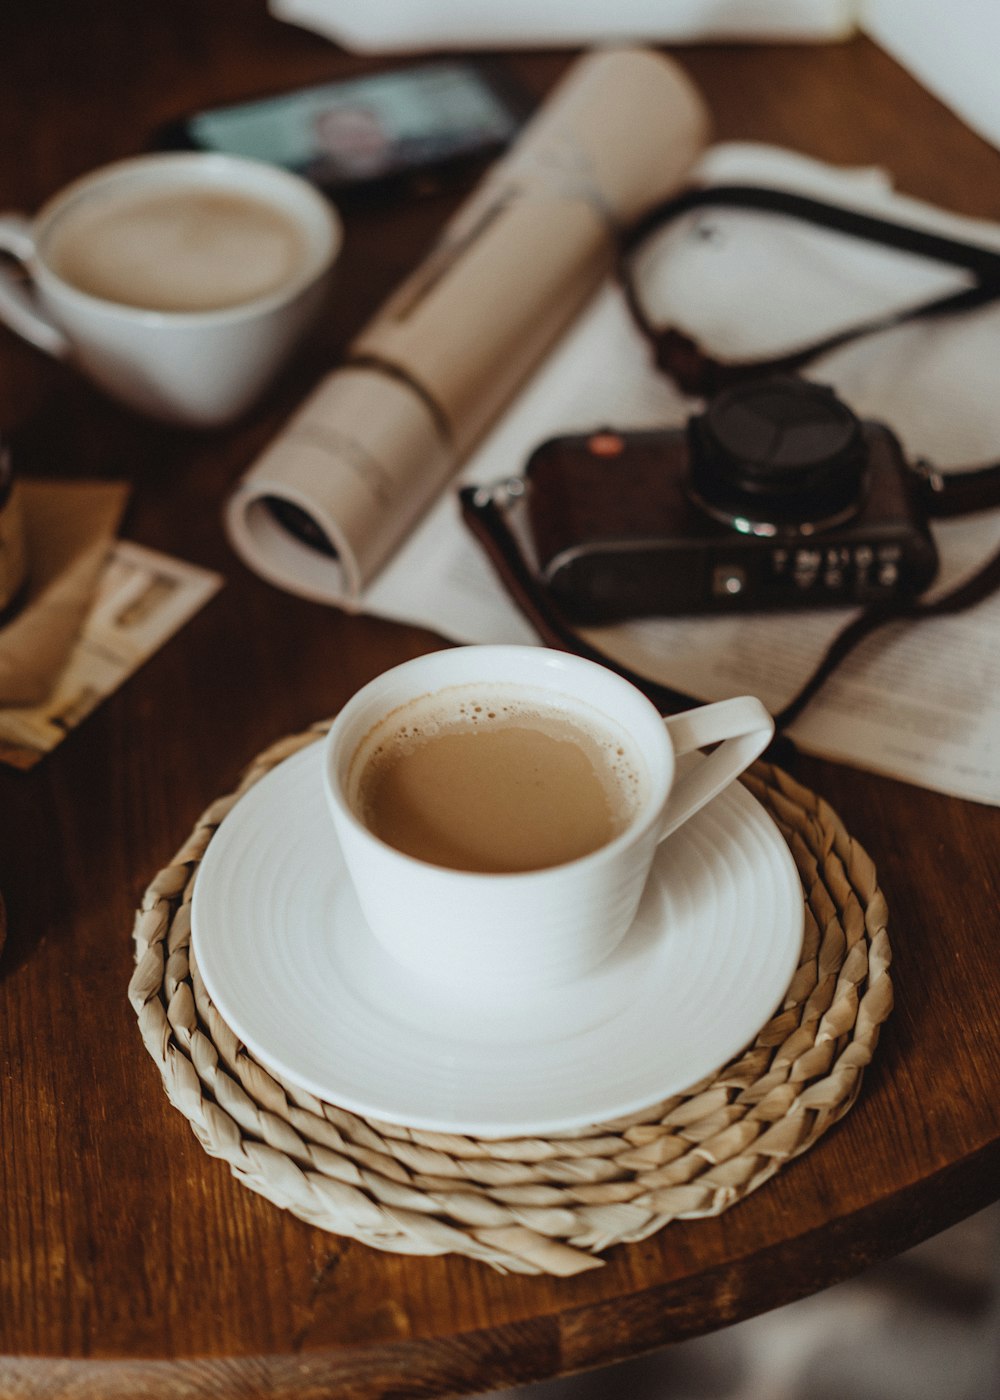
(925, 1326)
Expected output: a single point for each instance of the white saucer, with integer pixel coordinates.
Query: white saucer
(292, 968)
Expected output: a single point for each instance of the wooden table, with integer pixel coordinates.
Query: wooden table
(130, 1262)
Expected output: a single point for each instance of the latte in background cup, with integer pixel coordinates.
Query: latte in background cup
(183, 249)
(498, 808)
(178, 282)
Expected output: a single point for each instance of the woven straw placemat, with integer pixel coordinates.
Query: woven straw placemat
(533, 1205)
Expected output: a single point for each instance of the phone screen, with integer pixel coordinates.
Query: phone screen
(371, 129)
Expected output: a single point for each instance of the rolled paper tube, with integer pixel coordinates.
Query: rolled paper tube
(379, 437)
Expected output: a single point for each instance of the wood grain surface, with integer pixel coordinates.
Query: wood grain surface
(130, 1262)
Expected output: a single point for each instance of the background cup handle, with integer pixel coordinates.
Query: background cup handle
(741, 727)
(19, 308)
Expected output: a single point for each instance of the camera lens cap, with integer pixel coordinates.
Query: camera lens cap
(778, 453)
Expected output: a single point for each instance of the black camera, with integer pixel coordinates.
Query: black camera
(776, 496)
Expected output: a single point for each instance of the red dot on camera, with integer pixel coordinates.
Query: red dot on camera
(606, 445)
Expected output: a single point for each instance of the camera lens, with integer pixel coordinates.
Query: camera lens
(777, 456)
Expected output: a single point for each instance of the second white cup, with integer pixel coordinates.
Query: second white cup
(178, 282)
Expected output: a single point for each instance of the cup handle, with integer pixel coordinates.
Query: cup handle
(19, 308)
(741, 727)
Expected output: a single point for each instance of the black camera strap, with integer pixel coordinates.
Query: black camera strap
(954, 492)
(484, 510)
(681, 358)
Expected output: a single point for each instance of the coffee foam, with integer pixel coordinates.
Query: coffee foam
(178, 248)
(462, 708)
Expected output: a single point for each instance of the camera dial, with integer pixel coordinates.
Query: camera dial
(777, 456)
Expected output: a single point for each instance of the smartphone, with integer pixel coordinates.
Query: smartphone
(415, 128)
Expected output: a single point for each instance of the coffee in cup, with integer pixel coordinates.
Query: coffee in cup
(498, 808)
(493, 779)
(178, 282)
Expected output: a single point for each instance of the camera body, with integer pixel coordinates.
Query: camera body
(775, 497)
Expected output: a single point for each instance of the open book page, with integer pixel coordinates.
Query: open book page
(917, 702)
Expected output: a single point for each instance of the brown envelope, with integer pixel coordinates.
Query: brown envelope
(68, 527)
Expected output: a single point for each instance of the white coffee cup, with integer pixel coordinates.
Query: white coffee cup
(541, 927)
(178, 282)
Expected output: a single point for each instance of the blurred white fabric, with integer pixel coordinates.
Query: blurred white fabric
(951, 48)
(383, 25)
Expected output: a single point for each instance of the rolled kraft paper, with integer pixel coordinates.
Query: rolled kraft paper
(379, 437)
